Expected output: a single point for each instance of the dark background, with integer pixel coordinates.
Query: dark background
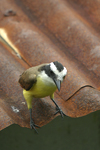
(60, 134)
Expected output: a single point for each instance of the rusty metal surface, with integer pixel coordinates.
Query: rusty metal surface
(34, 32)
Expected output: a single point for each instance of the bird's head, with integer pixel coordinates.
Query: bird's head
(56, 72)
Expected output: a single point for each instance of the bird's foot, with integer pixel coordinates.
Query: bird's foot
(32, 125)
(59, 110)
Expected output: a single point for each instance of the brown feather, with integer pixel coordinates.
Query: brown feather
(29, 77)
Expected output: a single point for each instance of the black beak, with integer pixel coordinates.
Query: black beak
(58, 83)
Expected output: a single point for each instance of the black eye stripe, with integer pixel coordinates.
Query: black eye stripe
(51, 72)
(48, 71)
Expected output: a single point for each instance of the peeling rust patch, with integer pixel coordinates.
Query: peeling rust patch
(9, 12)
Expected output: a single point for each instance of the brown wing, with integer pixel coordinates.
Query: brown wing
(27, 79)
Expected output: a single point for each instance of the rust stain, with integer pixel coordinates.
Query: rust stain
(36, 32)
(9, 12)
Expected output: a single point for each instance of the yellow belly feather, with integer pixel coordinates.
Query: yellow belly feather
(39, 90)
(42, 89)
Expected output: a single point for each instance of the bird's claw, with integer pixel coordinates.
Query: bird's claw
(32, 125)
(59, 110)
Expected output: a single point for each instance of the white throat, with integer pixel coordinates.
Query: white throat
(46, 79)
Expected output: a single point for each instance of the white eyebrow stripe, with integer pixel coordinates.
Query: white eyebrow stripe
(55, 70)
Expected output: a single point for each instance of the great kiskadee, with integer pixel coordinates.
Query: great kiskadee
(41, 81)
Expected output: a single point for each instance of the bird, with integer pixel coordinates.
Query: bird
(41, 81)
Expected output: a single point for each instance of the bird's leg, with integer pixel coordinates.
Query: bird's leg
(59, 110)
(32, 125)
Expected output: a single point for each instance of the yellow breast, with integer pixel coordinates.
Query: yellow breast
(42, 89)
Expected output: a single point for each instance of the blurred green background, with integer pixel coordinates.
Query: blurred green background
(60, 134)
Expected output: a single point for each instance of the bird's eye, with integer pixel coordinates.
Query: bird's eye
(51, 72)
